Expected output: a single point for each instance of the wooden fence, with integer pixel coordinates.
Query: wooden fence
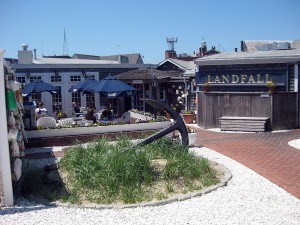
(281, 108)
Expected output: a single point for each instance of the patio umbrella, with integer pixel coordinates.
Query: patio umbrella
(80, 86)
(38, 86)
(111, 88)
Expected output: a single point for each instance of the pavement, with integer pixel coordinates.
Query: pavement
(268, 154)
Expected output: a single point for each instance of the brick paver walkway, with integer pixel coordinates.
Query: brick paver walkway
(266, 153)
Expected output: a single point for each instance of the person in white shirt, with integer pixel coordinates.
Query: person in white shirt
(40, 111)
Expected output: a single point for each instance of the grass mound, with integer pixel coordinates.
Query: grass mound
(122, 172)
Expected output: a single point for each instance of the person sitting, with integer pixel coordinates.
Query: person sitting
(76, 109)
(106, 114)
(90, 114)
(40, 111)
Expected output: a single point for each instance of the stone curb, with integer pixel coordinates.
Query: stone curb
(178, 198)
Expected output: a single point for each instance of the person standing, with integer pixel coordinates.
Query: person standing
(40, 111)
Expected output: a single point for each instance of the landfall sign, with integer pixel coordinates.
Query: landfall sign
(241, 79)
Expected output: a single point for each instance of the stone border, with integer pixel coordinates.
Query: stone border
(177, 198)
(60, 132)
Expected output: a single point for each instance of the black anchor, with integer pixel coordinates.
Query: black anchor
(178, 124)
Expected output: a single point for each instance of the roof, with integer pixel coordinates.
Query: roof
(189, 67)
(256, 57)
(147, 74)
(133, 58)
(255, 45)
(72, 61)
(83, 56)
(182, 64)
(296, 44)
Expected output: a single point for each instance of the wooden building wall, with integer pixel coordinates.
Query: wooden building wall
(280, 107)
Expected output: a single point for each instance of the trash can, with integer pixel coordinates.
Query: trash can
(29, 115)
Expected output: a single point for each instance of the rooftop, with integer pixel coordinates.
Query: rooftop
(147, 74)
(258, 57)
(72, 61)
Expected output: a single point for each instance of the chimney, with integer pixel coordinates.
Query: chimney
(203, 49)
(24, 46)
(170, 54)
(34, 51)
(25, 56)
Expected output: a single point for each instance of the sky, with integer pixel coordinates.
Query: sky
(101, 27)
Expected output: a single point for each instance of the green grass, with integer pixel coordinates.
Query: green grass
(34, 183)
(122, 172)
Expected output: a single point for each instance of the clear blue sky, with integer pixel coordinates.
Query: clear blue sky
(105, 27)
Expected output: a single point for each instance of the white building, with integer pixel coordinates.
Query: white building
(65, 72)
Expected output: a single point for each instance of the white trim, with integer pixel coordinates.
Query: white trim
(296, 81)
(4, 153)
(287, 78)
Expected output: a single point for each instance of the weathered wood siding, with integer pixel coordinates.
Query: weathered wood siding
(281, 108)
(284, 106)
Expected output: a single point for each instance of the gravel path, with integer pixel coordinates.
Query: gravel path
(247, 199)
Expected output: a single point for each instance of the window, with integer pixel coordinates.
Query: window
(21, 80)
(102, 75)
(90, 76)
(37, 97)
(162, 94)
(32, 78)
(193, 86)
(55, 78)
(76, 98)
(137, 102)
(57, 101)
(75, 78)
(90, 100)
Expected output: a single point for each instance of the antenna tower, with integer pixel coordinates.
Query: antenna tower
(171, 43)
(65, 48)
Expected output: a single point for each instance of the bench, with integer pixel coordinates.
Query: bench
(250, 124)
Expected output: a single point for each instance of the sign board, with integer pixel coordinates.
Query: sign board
(239, 76)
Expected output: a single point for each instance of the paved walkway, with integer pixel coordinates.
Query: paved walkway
(266, 153)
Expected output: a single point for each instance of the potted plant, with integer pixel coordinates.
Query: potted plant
(271, 85)
(188, 116)
(61, 114)
(206, 86)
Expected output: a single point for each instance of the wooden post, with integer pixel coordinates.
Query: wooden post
(4, 153)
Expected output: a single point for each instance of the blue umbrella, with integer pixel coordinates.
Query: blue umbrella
(38, 86)
(80, 86)
(111, 88)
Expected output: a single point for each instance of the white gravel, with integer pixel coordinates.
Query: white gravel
(295, 143)
(247, 199)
